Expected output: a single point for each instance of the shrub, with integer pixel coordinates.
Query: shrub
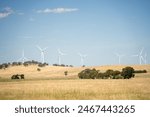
(127, 72)
(17, 76)
(103, 75)
(66, 73)
(140, 71)
(117, 75)
(109, 74)
(88, 74)
(22, 76)
(38, 69)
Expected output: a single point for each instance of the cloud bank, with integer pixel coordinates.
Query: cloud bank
(57, 10)
(6, 12)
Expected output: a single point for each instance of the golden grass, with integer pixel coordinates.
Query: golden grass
(76, 89)
(58, 72)
(50, 83)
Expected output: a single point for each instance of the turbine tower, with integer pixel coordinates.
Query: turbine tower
(42, 53)
(119, 57)
(60, 53)
(23, 58)
(145, 57)
(82, 57)
(141, 58)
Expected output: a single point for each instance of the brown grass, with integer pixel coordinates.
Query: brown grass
(50, 83)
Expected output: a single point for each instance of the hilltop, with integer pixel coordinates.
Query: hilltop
(47, 72)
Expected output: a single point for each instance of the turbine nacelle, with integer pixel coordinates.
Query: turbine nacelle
(119, 57)
(141, 58)
(42, 50)
(82, 57)
(60, 52)
(59, 56)
(23, 58)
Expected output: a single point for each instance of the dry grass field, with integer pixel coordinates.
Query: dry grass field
(51, 83)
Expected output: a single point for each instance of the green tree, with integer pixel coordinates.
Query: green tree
(127, 72)
(66, 73)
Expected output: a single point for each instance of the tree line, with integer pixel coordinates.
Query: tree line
(26, 63)
(126, 73)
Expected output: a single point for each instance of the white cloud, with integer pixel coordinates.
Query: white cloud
(6, 12)
(57, 10)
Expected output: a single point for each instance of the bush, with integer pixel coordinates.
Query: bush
(66, 73)
(17, 76)
(38, 69)
(117, 75)
(109, 74)
(88, 74)
(102, 75)
(127, 72)
(22, 76)
(140, 71)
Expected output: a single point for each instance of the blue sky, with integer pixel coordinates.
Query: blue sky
(97, 28)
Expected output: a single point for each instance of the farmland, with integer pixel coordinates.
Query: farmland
(51, 83)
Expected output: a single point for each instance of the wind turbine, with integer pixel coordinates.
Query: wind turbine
(42, 53)
(140, 56)
(119, 57)
(60, 53)
(23, 58)
(145, 56)
(82, 57)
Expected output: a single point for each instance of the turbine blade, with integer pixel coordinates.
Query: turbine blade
(142, 58)
(134, 55)
(141, 51)
(44, 48)
(39, 48)
(61, 53)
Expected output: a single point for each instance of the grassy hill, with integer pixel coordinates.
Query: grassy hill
(31, 72)
(51, 83)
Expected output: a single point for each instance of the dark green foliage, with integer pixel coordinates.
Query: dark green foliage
(17, 76)
(22, 76)
(62, 65)
(66, 73)
(26, 63)
(38, 69)
(109, 74)
(140, 71)
(93, 73)
(103, 76)
(4, 65)
(88, 74)
(42, 64)
(127, 72)
(116, 75)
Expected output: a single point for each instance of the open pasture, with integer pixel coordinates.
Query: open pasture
(51, 83)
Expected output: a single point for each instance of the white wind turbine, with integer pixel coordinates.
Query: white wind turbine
(119, 57)
(82, 57)
(60, 53)
(145, 57)
(23, 58)
(140, 56)
(42, 53)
